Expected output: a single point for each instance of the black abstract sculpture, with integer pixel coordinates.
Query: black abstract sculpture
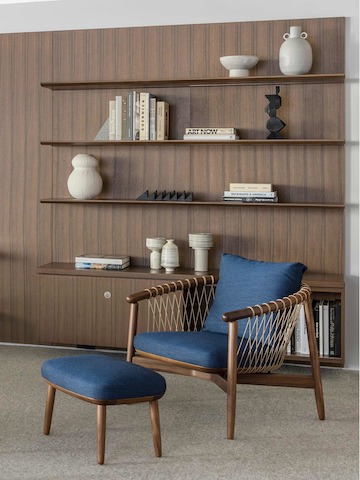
(274, 124)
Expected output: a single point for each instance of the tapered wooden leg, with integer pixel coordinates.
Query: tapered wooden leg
(101, 429)
(49, 408)
(314, 360)
(155, 425)
(232, 379)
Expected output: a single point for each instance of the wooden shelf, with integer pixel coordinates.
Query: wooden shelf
(159, 203)
(138, 143)
(196, 82)
(298, 358)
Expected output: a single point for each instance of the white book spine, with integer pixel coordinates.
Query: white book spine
(248, 187)
(210, 130)
(326, 327)
(152, 119)
(321, 329)
(228, 193)
(211, 137)
(112, 119)
(118, 117)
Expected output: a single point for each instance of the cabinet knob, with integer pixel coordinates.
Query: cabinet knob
(107, 294)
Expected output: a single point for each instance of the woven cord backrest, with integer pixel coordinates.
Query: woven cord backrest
(263, 345)
(184, 309)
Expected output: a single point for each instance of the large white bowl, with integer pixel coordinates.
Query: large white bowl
(239, 65)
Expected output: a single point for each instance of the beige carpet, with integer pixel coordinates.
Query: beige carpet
(278, 435)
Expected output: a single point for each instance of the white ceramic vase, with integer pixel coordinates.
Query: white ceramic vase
(201, 243)
(84, 181)
(155, 245)
(170, 256)
(295, 55)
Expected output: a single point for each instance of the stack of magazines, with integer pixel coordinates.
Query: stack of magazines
(251, 193)
(102, 262)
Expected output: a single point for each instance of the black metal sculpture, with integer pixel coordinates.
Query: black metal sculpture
(274, 124)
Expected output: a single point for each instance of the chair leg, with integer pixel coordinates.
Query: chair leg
(314, 361)
(231, 379)
(101, 429)
(155, 425)
(49, 408)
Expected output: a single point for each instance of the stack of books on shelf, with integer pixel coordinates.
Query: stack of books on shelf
(136, 116)
(211, 133)
(327, 321)
(102, 262)
(251, 193)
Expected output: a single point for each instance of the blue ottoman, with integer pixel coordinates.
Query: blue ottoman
(104, 380)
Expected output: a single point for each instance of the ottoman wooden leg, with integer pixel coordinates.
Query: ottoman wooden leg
(49, 408)
(155, 425)
(101, 428)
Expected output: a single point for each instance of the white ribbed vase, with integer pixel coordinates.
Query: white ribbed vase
(84, 181)
(170, 256)
(155, 245)
(201, 243)
(295, 55)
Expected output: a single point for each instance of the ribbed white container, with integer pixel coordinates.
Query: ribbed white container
(155, 245)
(170, 256)
(201, 243)
(84, 181)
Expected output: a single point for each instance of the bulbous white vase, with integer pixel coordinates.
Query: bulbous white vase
(170, 256)
(295, 55)
(84, 181)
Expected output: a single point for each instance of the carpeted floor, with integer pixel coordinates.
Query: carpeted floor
(278, 434)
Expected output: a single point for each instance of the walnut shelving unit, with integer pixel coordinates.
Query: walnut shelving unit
(307, 169)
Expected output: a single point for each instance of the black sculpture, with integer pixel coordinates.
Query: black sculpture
(274, 124)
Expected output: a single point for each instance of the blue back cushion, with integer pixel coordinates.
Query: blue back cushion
(244, 283)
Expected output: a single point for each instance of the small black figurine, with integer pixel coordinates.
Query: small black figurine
(274, 124)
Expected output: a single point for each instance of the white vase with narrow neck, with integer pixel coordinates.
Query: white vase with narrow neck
(155, 245)
(170, 256)
(84, 181)
(295, 55)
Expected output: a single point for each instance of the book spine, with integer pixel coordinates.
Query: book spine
(124, 114)
(118, 119)
(129, 117)
(321, 328)
(152, 119)
(136, 115)
(162, 120)
(304, 335)
(332, 328)
(316, 323)
(210, 130)
(228, 193)
(251, 200)
(211, 137)
(255, 187)
(112, 119)
(143, 100)
(338, 329)
(100, 266)
(326, 328)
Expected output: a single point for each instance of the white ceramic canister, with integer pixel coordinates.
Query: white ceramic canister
(84, 181)
(295, 55)
(170, 256)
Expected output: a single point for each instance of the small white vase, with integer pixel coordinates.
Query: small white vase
(84, 181)
(201, 243)
(170, 256)
(295, 55)
(155, 245)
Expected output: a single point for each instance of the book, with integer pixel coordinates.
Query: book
(123, 118)
(112, 119)
(109, 259)
(129, 116)
(228, 193)
(136, 115)
(321, 328)
(334, 328)
(326, 329)
(251, 187)
(152, 118)
(118, 117)
(100, 266)
(316, 323)
(251, 199)
(225, 136)
(162, 120)
(210, 130)
(145, 115)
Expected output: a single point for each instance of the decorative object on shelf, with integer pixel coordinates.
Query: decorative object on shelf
(201, 243)
(170, 256)
(295, 55)
(166, 196)
(274, 124)
(84, 181)
(155, 245)
(239, 65)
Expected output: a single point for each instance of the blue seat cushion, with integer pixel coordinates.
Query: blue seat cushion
(103, 377)
(243, 283)
(204, 349)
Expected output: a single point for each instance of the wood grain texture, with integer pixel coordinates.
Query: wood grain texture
(65, 310)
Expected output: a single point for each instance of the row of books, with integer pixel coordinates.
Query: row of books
(102, 262)
(211, 133)
(327, 320)
(251, 193)
(138, 116)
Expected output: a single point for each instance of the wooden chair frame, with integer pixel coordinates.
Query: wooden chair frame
(228, 378)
